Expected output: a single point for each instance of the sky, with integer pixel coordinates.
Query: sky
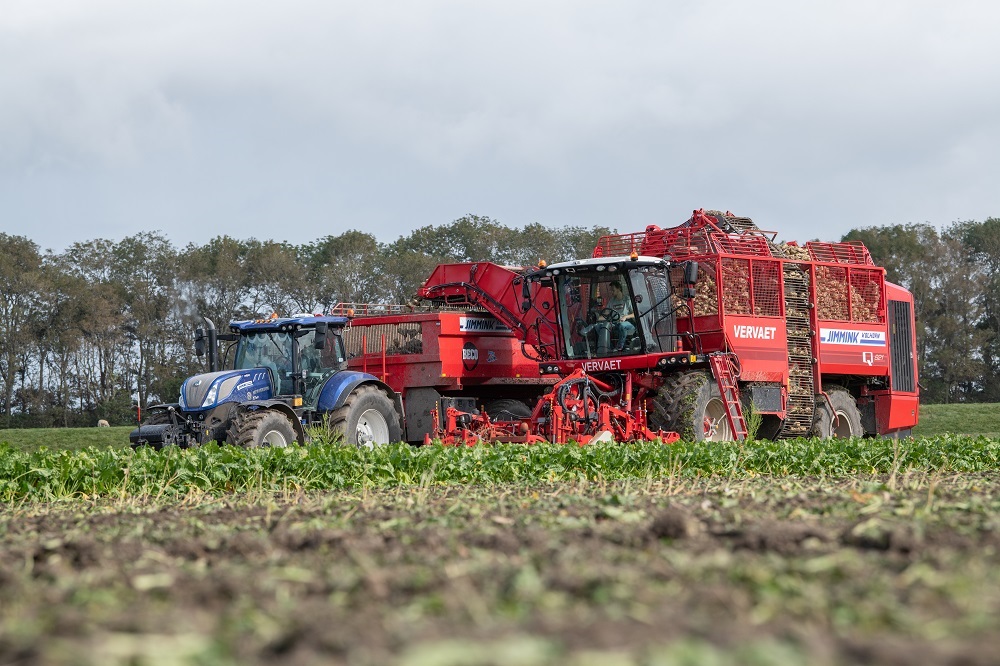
(301, 119)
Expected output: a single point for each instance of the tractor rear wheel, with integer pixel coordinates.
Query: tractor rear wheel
(690, 404)
(368, 418)
(842, 421)
(265, 427)
(507, 410)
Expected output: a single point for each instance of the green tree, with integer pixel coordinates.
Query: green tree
(983, 242)
(20, 266)
(347, 268)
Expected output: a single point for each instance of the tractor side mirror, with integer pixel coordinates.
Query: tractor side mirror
(525, 296)
(199, 341)
(319, 342)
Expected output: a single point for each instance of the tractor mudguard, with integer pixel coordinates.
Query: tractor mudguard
(340, 386)
(166, 405)
(277, 405)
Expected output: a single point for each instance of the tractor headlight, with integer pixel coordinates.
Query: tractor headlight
(220, 390)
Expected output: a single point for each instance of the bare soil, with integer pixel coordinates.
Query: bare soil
(766, 571)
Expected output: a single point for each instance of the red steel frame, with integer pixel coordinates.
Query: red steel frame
(855, 344)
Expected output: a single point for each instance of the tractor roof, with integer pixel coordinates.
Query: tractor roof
(287, 323)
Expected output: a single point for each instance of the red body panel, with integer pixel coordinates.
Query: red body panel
(760, 345)
(446, 350)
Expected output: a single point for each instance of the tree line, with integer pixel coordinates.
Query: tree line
(87, 333)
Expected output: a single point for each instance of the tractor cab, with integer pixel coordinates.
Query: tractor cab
(299, 353)
(614, 307)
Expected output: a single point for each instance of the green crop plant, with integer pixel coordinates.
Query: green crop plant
(96, 472)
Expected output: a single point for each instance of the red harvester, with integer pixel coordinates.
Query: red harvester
(662, 333)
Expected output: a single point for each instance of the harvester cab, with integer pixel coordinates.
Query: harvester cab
(612, 307)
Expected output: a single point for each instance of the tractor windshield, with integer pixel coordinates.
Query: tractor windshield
(615, 313)
(267, 349)
(289, 355)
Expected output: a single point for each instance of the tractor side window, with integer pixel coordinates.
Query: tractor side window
(317, 365)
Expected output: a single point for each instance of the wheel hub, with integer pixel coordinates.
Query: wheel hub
(372, 429)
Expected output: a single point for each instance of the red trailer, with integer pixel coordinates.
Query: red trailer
(439, 359)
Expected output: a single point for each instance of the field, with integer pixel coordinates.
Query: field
(861, 551)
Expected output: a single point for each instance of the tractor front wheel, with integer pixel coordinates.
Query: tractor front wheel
(368, 418)
(266, 427)
(690, 404)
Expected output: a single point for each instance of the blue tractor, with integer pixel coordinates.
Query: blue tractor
(286, 373)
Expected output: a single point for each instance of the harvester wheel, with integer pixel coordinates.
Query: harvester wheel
(368, 418)
(848, 421)
(690, 404)
(266, 427)
(507, 409)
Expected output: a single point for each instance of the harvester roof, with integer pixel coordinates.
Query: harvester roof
(584, 264)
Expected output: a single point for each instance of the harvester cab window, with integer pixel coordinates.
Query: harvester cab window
(653, 308)
(598, 315)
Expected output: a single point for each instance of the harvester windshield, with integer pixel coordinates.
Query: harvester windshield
(609, 312)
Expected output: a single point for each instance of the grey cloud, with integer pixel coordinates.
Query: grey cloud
(307, 118)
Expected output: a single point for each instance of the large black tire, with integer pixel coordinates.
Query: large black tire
(265, 427)
(848, 421)
(368, 418)
(156, 417)
(507, 410)
(689, 403)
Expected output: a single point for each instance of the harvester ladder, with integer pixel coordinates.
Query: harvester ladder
(801, 405)
(722, 367)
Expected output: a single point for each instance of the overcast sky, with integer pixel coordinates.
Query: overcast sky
(299, 119)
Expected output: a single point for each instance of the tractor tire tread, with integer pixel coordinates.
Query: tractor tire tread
(507, 409)
(245, 431)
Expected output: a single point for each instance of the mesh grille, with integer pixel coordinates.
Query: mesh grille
(766, 288)
(901, 346)
(751, 286)
(736, 286)
(850, 294)
(851, 252)
(831, 293)
(742, 244)
(866, 295)
(401, 338)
